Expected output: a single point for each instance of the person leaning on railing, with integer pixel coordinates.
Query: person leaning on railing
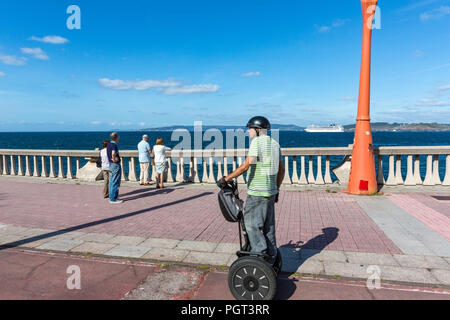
(105, 168)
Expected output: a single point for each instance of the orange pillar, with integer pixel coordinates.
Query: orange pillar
(362, 174)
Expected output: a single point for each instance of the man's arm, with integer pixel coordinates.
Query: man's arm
(242, 168)
(280, 176)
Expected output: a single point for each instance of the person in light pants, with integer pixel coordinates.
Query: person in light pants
(144, 160)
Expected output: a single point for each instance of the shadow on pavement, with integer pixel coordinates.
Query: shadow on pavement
(142, 194)
(295, 254)
(95, 223)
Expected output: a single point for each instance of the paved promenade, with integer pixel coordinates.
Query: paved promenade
(320, 233)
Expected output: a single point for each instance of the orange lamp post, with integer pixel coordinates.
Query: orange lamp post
(362, 173)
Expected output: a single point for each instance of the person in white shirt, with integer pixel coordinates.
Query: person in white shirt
(161, 163)
(105, 169)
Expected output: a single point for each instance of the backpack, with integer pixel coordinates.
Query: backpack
(230, 204)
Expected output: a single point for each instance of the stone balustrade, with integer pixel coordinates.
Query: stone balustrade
(304, 166)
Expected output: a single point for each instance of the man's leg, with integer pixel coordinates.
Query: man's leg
(106, 183)
(114, 182)
(141, 175)
(146, 166)
(269, 228)
(254, 217)
(119, 177)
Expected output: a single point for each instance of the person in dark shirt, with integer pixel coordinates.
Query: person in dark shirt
(112, 151)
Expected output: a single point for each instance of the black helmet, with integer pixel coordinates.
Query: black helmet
(258, 122)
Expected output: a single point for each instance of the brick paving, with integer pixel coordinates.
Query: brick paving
(309, 219)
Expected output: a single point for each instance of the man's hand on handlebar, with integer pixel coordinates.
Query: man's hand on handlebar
(222, 183)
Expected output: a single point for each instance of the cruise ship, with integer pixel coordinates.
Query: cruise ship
(330, 128)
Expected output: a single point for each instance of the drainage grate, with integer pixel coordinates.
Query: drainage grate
(442, 198)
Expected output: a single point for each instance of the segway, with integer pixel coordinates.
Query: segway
(251, 276)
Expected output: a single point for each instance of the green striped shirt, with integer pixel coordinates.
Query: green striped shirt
(262, 175)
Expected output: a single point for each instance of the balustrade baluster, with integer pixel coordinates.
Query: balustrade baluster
(60, 168)
(52, 167)
(69, 168)
(311, 179)
(446, 181)
(36, 166)
(132, 169)
(436, 178)
(294, 170)
(417, 177)
(327, 171)
(219, 167)
(398, 170)
(241, 178)
(302, 179)
(429, 172)
(44, 172)
(20, 172)
(286, 179)
(13, 166)
(391, 181)
(410, 180)
(380, 175)
(211, 178)
(319, 177)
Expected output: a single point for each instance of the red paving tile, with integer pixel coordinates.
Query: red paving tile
(190, 214)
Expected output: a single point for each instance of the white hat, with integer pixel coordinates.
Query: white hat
(145, 136)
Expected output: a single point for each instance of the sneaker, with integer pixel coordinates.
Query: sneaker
(116, 202)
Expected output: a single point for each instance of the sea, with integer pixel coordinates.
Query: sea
(130, 139)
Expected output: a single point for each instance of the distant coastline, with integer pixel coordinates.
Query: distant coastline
(376, 126)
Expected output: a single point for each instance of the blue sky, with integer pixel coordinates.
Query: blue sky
(138, 64)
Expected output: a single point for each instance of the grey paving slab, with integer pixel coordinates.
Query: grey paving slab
(6, 229)
(165, 254)
(126, 240)
(447, 259)
(36, 243)
(70, 235)
(160, 243)
(127, 251)
(309, 266)
(414, 261)
(33, 232)
(232, 259)
(197, 245)
(207, 258)
(324, 255)
(9, 238)
(94, 247)
(350, 270)
(371, 258)
(96, 237)
(227, 248)
(60, 244)
(408, 233)
(416, 275)
(443, 276)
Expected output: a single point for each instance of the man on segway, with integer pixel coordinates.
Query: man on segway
(265, 175)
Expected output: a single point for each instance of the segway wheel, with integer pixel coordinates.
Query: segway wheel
(252, 278)
(278, 264)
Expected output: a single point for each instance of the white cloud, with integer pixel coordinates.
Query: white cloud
(336, 24)
(435, 13)
(169, 86)
(95, 123)
(348, 99)
(12, 60)
(36, 53)
(50, 39)
(252, 74)
(433, 103)
(117, 84)
(2, 74)
(443, 88)
(196, 88)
